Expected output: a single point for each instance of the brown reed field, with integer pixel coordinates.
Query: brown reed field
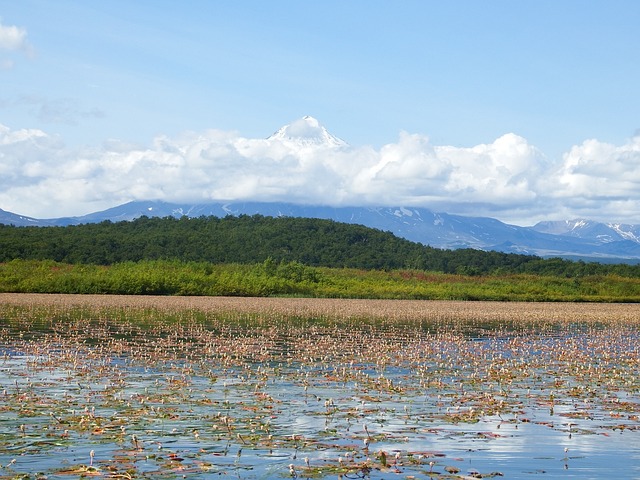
(350, 308)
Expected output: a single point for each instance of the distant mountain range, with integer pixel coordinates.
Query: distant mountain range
(577, 239)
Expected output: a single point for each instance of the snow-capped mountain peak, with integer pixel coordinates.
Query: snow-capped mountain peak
(563, 227)
(307, 131)
(587, 229)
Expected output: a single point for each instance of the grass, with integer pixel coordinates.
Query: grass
(177, 278)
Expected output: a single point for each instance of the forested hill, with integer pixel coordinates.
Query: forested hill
(253, 239)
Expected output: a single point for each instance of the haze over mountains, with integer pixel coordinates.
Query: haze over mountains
(578, 239)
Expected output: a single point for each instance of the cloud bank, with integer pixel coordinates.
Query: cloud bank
(508, 178)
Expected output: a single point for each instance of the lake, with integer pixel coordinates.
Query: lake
(185, 387)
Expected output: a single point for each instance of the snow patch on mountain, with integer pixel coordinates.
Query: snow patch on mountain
(403, 212)
(626, 231)
(579, 224)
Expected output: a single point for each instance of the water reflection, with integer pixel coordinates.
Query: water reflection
(249, 397)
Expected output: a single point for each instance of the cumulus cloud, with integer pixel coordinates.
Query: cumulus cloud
(508, 178)
(13, 39)
(598, 179)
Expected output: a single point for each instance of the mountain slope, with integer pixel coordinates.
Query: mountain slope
(8, 218)
(602, 232)
(440, 230)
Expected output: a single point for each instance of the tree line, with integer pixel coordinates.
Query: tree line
(255, 239)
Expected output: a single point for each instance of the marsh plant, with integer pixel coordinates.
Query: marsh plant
(148, 387)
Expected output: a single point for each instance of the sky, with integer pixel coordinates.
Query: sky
(522, 110)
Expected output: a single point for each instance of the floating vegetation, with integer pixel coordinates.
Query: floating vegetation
(148, 387)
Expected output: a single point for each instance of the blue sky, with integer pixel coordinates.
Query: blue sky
(520, 110)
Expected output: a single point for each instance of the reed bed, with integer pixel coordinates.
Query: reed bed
(193, 387)
(351, 308)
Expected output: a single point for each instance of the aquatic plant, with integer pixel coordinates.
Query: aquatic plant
(161, 387)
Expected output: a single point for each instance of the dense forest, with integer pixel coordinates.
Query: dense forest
(256, 239)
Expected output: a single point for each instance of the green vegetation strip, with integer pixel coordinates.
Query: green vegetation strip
(269, 278)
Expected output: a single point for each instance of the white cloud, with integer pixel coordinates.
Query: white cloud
(598, 179)
(13, 39)
(504, 171)
(508, 178)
